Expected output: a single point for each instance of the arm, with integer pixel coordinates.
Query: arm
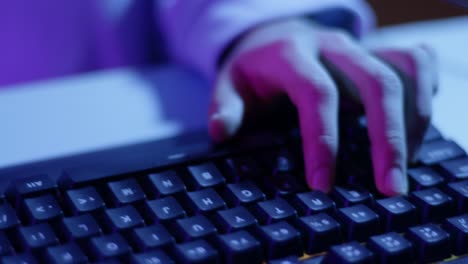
(198, 31)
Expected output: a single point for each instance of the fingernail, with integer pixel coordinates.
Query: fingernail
(216, 127)
(397, 181)
(322, 180)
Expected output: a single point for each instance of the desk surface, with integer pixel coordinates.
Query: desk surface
(104, 109)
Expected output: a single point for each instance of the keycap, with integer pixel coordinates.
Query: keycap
(37, 236)
(423, 178)
(198, 251)
(109, 246)
(397, 214)
(239, 247)
(313, 202)
(41, 209)
(243, 193)
(5, 246)
(23, 258)
(241, 168)
(351, 252)
(286, 260)
(273, 211)
(284, 181)
(152, 257)
(432, 134)
(192, 228)
(349, 196)
(152, 237)
(319, 232)
(204, 201)
(234, 219)
(455, 170)
(457, 227)
(34, 185)
(433, 204)
(164, 210)
(204, 176)
(391, 248)
(80, 227)
(431, 243)
(165, 183)
(125, 192)
(459, 191)
(123, 218)
(66, 254)
(8, 219)
(359, 222)
(436, 151)
(280, 240)
(84, 200)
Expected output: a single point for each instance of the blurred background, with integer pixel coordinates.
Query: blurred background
(403, 11)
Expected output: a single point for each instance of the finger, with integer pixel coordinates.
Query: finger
(416, 66)
(381, 93)
(227, 108)
(315, 96)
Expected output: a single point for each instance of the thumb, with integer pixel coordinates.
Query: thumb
(226, 110)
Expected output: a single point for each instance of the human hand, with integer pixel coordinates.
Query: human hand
(284, 58)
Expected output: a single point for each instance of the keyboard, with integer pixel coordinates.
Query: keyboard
(241, 203)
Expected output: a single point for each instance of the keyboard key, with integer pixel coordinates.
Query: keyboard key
(243, 193)
(41, 209)
(125, 192)
(351, 252)
(433, 204)
(151, 237)
(8, 219)
(319, 232)
(423, 178)
(24, 258)
(436, 151)
(37, 236)
(80, 227)
(241, 168)
(457, 227)
(66, 254)
(459, 191)
(239, 247)
(234, 219)
(152, 257)
(205, 201)
(313, 202)
(431, 243)
(359, 222)
(84, 200)
(164, 210)
(273, 211)
(391, 248)
(280, 240)
(195, 227)
(123, 218)
(31, 186)
(397, 214)
(198, 251)
(455, 170)
(5, 246)
(348, 196)
(164, 184)
(109, 246)
(286, 260)
(204, 176)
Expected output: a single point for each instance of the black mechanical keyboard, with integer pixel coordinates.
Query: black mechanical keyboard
(245, 204)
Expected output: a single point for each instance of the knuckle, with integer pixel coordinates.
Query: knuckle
(388, 82)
